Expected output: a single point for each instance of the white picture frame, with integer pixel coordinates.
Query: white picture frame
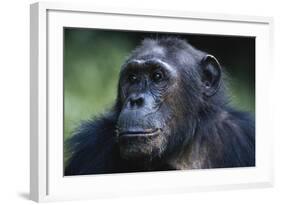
(47, 182)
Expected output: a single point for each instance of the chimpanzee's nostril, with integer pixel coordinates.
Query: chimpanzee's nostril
(136, 101)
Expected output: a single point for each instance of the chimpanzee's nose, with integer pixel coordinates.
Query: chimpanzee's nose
(136, 101)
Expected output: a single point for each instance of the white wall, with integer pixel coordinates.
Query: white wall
(14, 101)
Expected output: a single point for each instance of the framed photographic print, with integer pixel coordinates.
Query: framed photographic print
(127, 102)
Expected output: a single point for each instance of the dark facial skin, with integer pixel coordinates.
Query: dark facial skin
(143, 119)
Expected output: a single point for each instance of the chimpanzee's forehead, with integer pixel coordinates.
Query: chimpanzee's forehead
(146, 52)
(166, 54)
(148, 64)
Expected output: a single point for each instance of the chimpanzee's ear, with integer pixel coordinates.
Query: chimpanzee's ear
(211, 75)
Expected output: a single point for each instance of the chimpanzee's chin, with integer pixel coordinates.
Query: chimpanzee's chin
(141, 148)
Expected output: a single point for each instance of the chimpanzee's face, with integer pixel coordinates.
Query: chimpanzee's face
(146, 85)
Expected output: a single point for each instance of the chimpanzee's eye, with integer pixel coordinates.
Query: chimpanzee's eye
(157, 76)
(132, 78)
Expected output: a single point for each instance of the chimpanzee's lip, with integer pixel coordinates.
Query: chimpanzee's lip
(140, 133)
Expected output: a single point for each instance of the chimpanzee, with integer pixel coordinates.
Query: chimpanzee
(171, 113)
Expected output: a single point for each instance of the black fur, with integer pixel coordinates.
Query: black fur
(204, 131)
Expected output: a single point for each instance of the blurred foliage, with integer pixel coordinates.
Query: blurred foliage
(92, 60)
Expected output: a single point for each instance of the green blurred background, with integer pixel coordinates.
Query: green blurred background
(92, 60)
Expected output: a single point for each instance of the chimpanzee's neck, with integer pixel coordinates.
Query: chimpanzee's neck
(198, 149)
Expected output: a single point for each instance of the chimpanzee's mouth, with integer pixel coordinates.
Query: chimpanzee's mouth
(139, 143)
(140, 133)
